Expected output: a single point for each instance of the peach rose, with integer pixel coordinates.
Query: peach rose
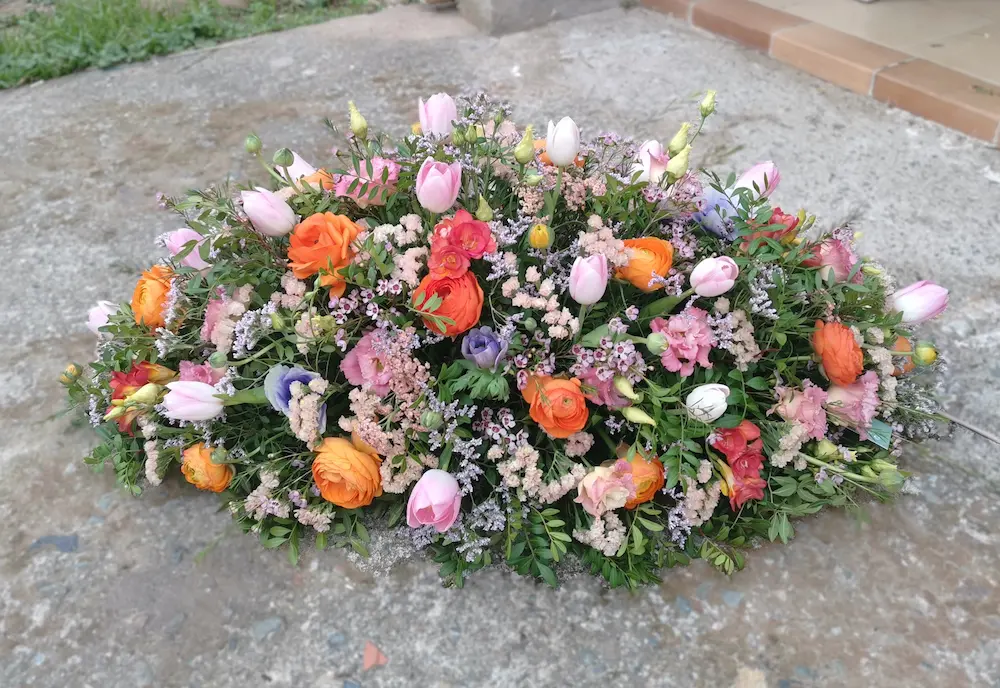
(322, 243)
(199, 470)
(462, 302)
(842, 358)
(346, 475)
(557, 405)
(648, 478)
(150, 295)
(649, 255)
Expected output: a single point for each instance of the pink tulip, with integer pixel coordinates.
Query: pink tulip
(438, 184)
(920, 301)
(714, 276)
(437, 114)
(653, 161)
(434, 501)
(762, 178)
(270, 215)
(588, 279)
(191, 401)
(97, 317)
(178, 239)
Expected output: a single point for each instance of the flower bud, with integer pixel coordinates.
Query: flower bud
(71, 374)
(220, 455)
(474, 133)
(484, 213)
(145, 395)
(277, 322)
(540, 236)
(707, 402)
(924, 354)
(431, 420)
(625, 388)
(252, 144)
(678, 164)
(283, 157)
(707, 106)
(563, 142)
(868, 472)
(530, 324)
(879, 465)
(457, 137)
(524, 152)
(826, 448)
(892, 480)
(656, 343)
(115, 413)
(680, 140)
(635, 414)
(532, 179)
(416, 129)
(358, 124)
(217, 360)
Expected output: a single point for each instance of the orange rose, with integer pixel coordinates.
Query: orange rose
(841, 354)
(462, 302)
(322, 242)
(903, 344)
(544, 157)
(199, 470)
(648, 478)
(557, 405)
(346, 475)
(150, 295)
(649, 255)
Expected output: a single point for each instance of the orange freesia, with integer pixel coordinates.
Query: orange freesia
(544, 157)
(322, 243)
(557, 405)
(462, 302)
(649, 255)
(843, 361)
(199, 470)
(150, 295)
(346, 475)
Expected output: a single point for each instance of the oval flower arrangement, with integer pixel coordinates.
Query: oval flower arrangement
(513, 349)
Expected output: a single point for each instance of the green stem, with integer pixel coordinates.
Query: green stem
(836, 469)
(257, 355)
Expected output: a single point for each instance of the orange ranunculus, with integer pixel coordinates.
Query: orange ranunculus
(544, 157)
(322, 243)
(462, 302)
(557, 405)
(649, 255)
(903, 344)
(346, 475)
(843, 361)
(199, 470)
(150, 295)
(648, 478)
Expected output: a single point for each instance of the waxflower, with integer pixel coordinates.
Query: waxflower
(438, 184)
(178, 240)
(97, 317)
(268, 213)
(191, 401)
(714, 276)
(437, 114)
(920, 301)
(588, 279)
(762, 179)
(434, 501)
(652, 163)
(707, 402)
(562, 142)
(482, 346)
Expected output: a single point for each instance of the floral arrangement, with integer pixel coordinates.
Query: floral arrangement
(512, 350)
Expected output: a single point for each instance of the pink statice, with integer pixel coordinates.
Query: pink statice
(689, 340)
(855, 404)
(408, 264)
(364, 366)
(600, 389)
(193, 372)
(385, 174)
(579, 444)
(804, 406)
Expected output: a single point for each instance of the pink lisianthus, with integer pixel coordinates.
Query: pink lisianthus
(855, 404)
(193, 372)
(214, 312)
(689, 340)
(600, 391)
(836, 256)
(804, 406)
(385, 174)
(606, 488)
(364, 366)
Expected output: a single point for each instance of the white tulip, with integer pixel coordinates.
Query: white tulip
(707, 402)
(563, 142)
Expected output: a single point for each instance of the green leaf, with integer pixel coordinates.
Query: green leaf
(547, 574)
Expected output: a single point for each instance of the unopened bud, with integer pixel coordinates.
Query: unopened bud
(826, 448)
(115, 413)
(678, 164)
(220, 455)
(431, 420)
(358, 124)
(149, 393)
(530, 324)
(484, 213)
(891, 480)
(879, 465)
(71, 374)
(656, 343)
(252, 144)
(868, 472)
(707, 106)
(283, 157)
(924, 354)
(525, 150)
(217, 360)
(416, 129)
(625, 388)
(457, 137)
(635, 414)
(532, 179)
(277, 322)
(679, 141)
(540, 236)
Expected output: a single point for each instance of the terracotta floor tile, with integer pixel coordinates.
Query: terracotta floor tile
(834, 56)
(678, 8)
(742, 20)
(943, 95)
(976, 53)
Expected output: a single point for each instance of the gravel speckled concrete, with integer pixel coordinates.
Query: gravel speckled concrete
(99, 589)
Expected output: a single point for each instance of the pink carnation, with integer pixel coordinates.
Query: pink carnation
(855, 404)
(214, 312)
(804, 406)
(606, 488)
(689, 340)
(385, 174)
(363, 366)
(601, 392)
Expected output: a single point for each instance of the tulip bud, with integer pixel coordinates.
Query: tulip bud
(484, 213)
(563, 142)
(358, 124)
(919, 301)
(707, 402)
(524, 152)
(635, 414)
(457, 137)
(826, 448)
(678, 164)
(277, 322)
(252, 144)
(924, 354)
(71, 374)
(147, 394)
(532, 179)
(624, 387)
(530, 324)
(540, 236)
(707, 106)
(431, 420)
(680, 140)
(283, 157)
(656, 343)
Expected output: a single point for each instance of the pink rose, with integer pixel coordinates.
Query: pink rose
(371, 189)
(434, 501)
(835, 256)
(689, 340)
(588, 279)
(920, 301)
(606, 488)
(803, 406)
(714, 276)
(178, 240)
(363, 366)
(437, 114)
(438, 184)
(193, 372)
(855, 404)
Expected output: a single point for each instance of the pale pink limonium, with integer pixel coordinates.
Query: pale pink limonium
(268, 212)
(204, 372)
(437, 114)
(178, 240)
(855, 404)
(588, 279)
(652, 163)
(804, 406)
(364, 366)
(689, 340)
(97, 317)
(371, 189)
(920, 301)
(762, 178)
(714, 276)
(438, 184)
(434, 501)
(606, 488)
(191, 401)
